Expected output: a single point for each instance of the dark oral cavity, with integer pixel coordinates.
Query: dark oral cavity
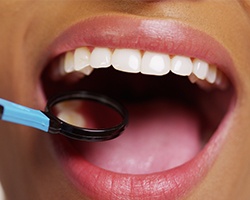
(170, 119)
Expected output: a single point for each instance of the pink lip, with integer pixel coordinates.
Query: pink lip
(170, 37)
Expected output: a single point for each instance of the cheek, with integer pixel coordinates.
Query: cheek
(11, 155)
(26, 157)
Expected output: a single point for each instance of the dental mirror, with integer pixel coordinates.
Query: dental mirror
(79, 115)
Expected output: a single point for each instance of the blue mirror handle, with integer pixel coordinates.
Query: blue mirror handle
(19, 114)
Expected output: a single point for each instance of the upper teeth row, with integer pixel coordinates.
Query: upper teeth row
(131, 60)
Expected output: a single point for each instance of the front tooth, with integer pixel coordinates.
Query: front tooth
(127, 60)
(200, 68)
(72, 117)
(181, 65)
(69, 62)
(211, 75)
(100, 57)
(155, 63)
(81, 58)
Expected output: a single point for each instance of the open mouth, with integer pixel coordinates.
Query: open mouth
(176, 104)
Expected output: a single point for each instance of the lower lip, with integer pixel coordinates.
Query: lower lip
(178, 182)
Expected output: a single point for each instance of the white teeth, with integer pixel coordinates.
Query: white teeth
(81, 58)
(72, 117)
(155, 63)
(200, 68)
(127, 60)
(67, 112)
(211, 75)
(68, 105)
(134, 61)
(181, 65)
(100, 58)
(69, 62)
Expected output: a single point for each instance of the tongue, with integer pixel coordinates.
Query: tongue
(160, 136)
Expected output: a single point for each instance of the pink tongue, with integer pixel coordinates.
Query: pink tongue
(160, 136)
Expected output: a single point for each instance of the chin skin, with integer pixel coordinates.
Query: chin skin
(29, 168)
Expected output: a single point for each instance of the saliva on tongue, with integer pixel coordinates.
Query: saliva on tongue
(161, 135)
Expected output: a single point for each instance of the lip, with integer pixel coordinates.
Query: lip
(165, 36)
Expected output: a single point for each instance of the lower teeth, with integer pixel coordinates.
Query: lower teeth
(72, 117)
(67, 112)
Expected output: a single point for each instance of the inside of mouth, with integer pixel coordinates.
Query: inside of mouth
(170, 119)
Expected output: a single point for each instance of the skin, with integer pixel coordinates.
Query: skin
(28, 169)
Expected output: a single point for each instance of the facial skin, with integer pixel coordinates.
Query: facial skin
(29, 169)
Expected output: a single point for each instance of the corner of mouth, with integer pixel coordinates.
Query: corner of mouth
(172, 38)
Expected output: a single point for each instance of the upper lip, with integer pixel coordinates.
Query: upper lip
(165, 36)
